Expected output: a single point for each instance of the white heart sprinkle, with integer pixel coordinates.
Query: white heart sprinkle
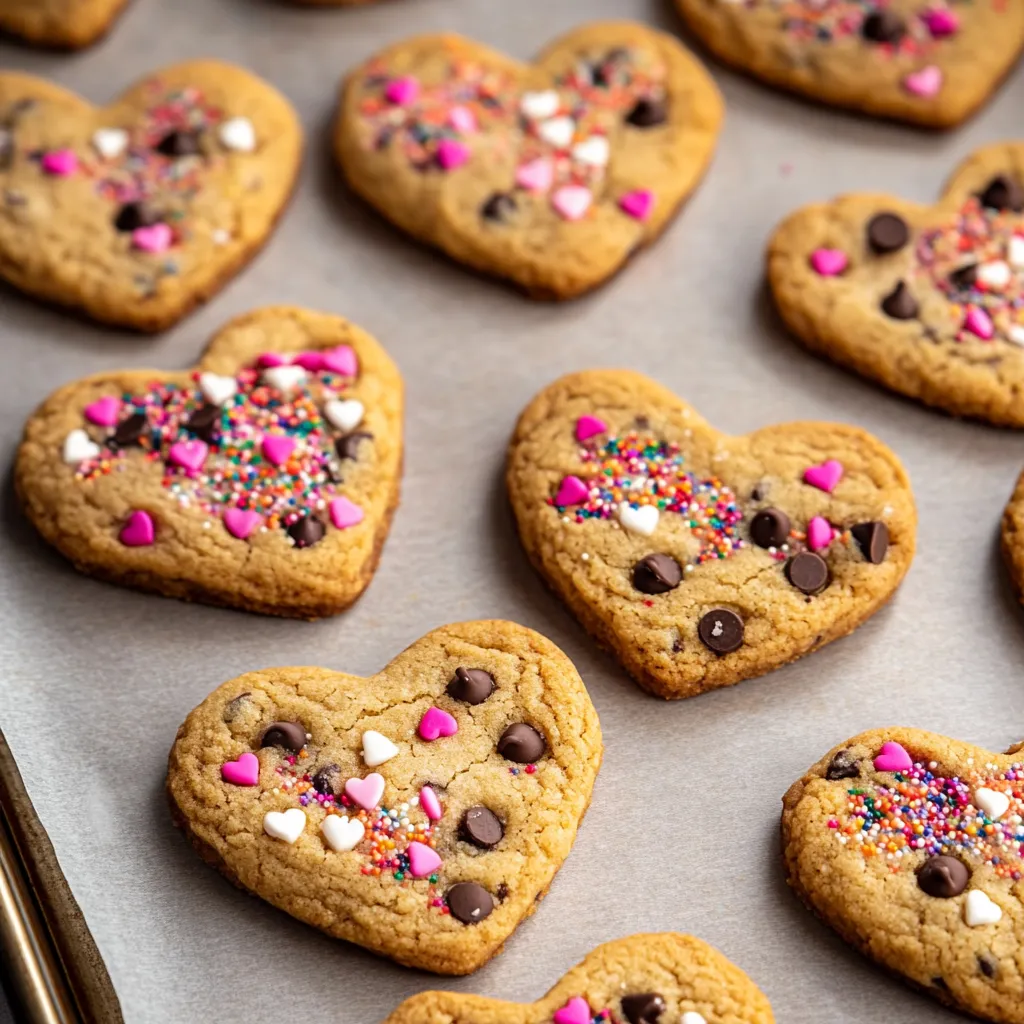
(216, 389)
(539, 104)
(284, 378)
(286, 825)
(342, 832)
(595, 151)
(692, 1017)
(994, 803)
(78, 447)
(345, 415)
(995, 274)
(238, 134)
(1015, 252)
(558, 131)
(642, 520)
(377, 748)
(110, 142)
(1017, 334)
(980, 910)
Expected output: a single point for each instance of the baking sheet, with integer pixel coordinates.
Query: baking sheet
(682, 833)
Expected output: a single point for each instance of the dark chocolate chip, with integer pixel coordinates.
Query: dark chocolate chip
(205, 423)
(808, 572)
(887, 232)
(482, 827)
(988, 965)
(900, 303)
(657, 574)
(943, 877)
(326, 779)
(500, 207)
(469, 903)
(290, 735)
(521, 743)
(884, 26)
(770, 528)
(873, 540)
(235, 707)
(721, 630)
(6, 148)
(1003, 193)
(179, 143)
(643, 1009)
(648, 113)
(843, 766)
(964, 278)
(129, 431)
(139, 214)
(471, 685)
(307, 531)
(347, 447)
(502, 892)
(642, 422)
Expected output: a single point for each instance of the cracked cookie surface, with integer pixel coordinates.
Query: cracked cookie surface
(909, 845)
(421, 812)
(700, 559)
(61, 23)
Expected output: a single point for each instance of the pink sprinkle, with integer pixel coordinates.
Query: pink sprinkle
(576, 1011)
(819, 534)
(536, 176)
(638, 204)
(829, 262)
(277, 448)
(893, 757)
(345, 513)
(462, 119)
(979, 323)
(430, 804)
(571, 202)
(572, 491)
(437, 723)
(269, 359)
(832, 823)
(402, 91)
(941, 22)
(423, 860)
(104, 411)
(155, 238)
(452, 154)
(138, 530)
(60, 162)
(341, 360)
(188, 455)
(243, 772)
(240, 522)
(926, 82)
(588, 427)
(312, 362)
(826, 476)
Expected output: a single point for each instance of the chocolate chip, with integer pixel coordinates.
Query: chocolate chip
(943, 877)
(347, 447)
(205, 423)
(884, 26)
(940, 984)
(6, 148)
(643, 1009)
(469, 903)
(482, 827)
(179, 143)
(235, 707)
(900, 303)
(129, 431)
(290, 735)
(657, 574)
(843, 766)
(988, 965)
(1003, 193)
(770, 528)
(873, 540)
(471, 685)
(807, 572)
(721, 630)
(136, 215)
(648, 113)
(964, 278)
(887, 232)
(502, 892)
(326, 779)
(521, 743)
(307, 531)
(500, 207)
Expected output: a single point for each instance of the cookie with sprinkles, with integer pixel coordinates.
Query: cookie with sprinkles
(926, 300)
(421, 813)
(550, 175)
(134, 213)
(911, 846)
(265, 478)
(697, 558)
(69, 24)
(931, 64)
(644, 979)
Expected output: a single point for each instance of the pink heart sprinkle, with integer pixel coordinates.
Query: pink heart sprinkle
(536, 176)
(311, 361)
(824, 477)
(277, 448)
(893, 758)
(572, 491)
(572, 201)
(926, 82)
(423, 860)
(437, 723)
(819, 534)
(189, 455)
(345, 513)
(240, 522)
(941, 22)
(104, 412)
(430, 804)
(638, 204)
(402, 91)
(576, 1011)
(829, 262)
(269, 359)
(60, 162)
(462, 119)
(138, 530)
(243, 772)
(365, 792)
(588, 427)
(341, 360)
(155, 238)
(979, 323)
(452, 154)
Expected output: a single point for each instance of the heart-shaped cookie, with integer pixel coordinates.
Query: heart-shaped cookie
(227, 484)
(136, 212)
(931, 64)
(61, 23)
(643, 979)
(549, 174)
(764, 547)
(911, 846)
(927, 300)
(431, 855)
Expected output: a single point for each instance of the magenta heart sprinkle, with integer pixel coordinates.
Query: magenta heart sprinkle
(243, 772)
(893, 757)
(571, 491)
(240, 522)
(826, 476)
(138, 530)
(277, 448)
(104, 411)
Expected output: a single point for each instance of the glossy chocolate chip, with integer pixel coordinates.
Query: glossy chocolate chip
(469, 903)
(643, 1009)
(179, 143)
(482, 827)
(348, 446)
(988, 965)
(289, 735)
(657, 574)
(770, 528)
(808, 572)
(307, 531)
(129, 431)
(964, 278)
(884, 26)
(205, 423)
(500, 208)
(139, 214)
(648, 113)
(327, 779)
(873, 540)
(943, 877)
(721, 630)
(235, 707)
(843, 766)
(1003, 193)
(521, 743)
(887, 232)
(471, 685)
(900, 303)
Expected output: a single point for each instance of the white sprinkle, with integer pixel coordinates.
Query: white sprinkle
(585, 557)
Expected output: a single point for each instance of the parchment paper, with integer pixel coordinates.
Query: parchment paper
(682, 833)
